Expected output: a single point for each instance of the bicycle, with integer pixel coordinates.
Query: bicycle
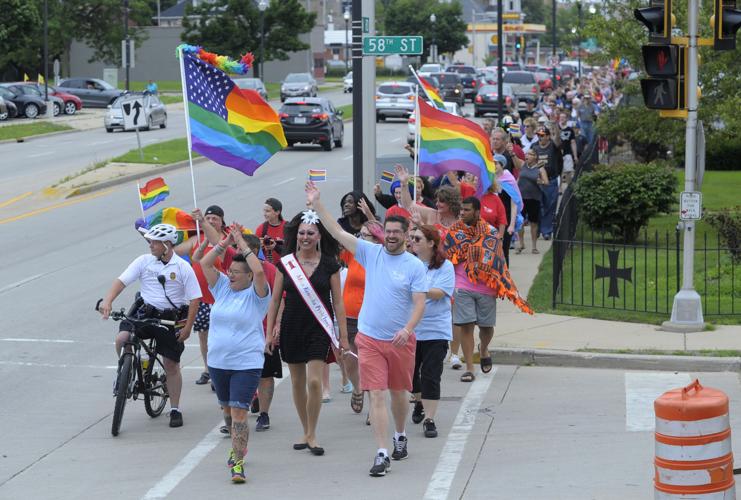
(137, 376)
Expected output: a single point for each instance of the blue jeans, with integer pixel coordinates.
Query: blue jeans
(549, 200)
(587, 130)
(235, 388)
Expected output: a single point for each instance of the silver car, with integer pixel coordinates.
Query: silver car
(298, 85)
(155, 109)
(252, 84)
(347, 83)
(395, 100)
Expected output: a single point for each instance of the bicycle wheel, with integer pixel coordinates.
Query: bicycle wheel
(155, 388)
(122, 391)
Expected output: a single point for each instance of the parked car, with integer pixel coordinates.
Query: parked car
(113, 119)
(7, 110)
(20, 88)
(394, 100)
(523, 84)
(72, 103)
(93, 92)
(451, 88)
(298, 84)
(312, 120)
(430, 68)
(512, 66)
(487, 77)
(545, 82)
(29, 106)
(347, 83)
(487, 100)
(252, 84)
(549, 69)
(451, 107)
(468, 79)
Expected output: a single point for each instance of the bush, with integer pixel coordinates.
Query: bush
(728, 224)
(723, 152)
(621, 199)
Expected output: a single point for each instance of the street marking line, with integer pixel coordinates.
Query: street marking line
(395, 140)
(17, 198)
(347, 157)
(452, 452)
(75, 365)
(55, 341)
(641, 390)
(21, 282)
(170, 481)
(53, 207)
(286, 181)
(39, 155)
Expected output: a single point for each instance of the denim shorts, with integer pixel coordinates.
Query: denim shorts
(235, 388)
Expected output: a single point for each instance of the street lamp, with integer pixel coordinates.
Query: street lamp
(433, 47)
(554, 58)
(262, 5)
(346, 16)
(578, 48)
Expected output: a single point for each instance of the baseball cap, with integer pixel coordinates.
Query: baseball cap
(500, 159)
(215, 210)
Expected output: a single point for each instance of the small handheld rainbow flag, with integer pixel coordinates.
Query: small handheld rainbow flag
(317, 175)
(387, 176)
(153, 192)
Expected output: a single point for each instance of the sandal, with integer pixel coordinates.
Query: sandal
(468, 377)
(519, 250)
(356, 402)
(203, 379)
(486, 364)
(535, 250)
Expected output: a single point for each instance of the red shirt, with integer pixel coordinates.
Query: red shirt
(221, 264)
(467, 190)
(492, 210)
(275, 232)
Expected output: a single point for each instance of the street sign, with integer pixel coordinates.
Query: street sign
(134, 113)
(494, 39)
(383, 45)
(366, 25)
(690, 205)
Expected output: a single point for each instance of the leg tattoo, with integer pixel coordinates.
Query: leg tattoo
(240, 434)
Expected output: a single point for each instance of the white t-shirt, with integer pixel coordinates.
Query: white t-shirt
(181, 284)
(390, 281)
(236, 340)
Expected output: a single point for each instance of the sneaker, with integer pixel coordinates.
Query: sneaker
(430, 428)
(226, 430)
(419, 412)
(400, 448)
(455, 362)
(176, 418)
(347, 388)
(255, 406)
(204, 379)
(238, 472)
(231, 460)
(381, 465)
(263, 422)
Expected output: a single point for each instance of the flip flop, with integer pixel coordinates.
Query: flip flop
(486, 364)
(467, 377)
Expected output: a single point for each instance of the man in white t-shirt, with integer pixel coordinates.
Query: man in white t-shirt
(169, 290)
(393, 304)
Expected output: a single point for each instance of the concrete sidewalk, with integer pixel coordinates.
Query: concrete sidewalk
(555, 340)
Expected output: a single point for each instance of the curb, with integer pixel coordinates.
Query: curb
(556, 358)
(49, 134)
(133, 177)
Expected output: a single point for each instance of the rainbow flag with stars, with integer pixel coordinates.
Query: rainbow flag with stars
(233, 127)
(153, 192)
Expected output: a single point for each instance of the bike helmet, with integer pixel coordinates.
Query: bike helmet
(162, 232)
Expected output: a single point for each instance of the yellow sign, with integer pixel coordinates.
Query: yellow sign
(494, 39)
(511, 16)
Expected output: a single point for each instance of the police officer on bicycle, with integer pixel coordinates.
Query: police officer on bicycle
(169, 290)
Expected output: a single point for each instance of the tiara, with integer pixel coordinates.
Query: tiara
(310, 217)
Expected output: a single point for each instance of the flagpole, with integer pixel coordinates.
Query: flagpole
(139, 197)
(187, 132)
(416, 141)
(411, 68)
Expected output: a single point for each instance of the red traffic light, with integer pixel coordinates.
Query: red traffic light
(661, 60)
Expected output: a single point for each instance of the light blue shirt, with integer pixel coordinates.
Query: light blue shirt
(437, 322)
(236, 340)
(390, 281)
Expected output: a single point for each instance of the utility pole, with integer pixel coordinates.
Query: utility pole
(368, 137)
(49, 109)
(127, 43)
(357, 96)
(578, 47)
(555, 41)
(500, 59)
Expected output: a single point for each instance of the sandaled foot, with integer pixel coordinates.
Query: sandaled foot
(467, 377)
(356, 402)
(535, 250)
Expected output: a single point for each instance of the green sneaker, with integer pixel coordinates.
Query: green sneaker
(231, 460)
(238, 472)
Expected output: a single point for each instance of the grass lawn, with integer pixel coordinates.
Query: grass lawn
(161, 153)
(162, 85)
(171, 99)
(653, 266)
(346, 111)
(30, 129)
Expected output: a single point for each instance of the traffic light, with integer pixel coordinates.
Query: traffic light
(666, 64)
(725, 22)
(658, 19)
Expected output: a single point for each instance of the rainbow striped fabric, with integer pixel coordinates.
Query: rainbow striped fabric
(432, 93)
(387, 176)
(233, 127)
(181, 219)
(153, 192)
(449, 142)
(317, 175)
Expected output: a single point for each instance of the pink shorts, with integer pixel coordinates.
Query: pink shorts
(383, 366)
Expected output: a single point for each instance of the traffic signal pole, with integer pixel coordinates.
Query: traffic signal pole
(687, 307)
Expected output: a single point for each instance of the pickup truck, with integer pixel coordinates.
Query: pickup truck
(523, 84)
(468, 79)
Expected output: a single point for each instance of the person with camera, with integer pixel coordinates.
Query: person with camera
(270, 232)
(169, 290)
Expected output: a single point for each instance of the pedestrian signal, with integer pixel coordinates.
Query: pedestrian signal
(658, 19)
(725, 22)
(666, 64)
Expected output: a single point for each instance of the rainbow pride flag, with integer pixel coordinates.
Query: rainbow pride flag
(153, 192)
(317, 175)
(231, 126)
(181, 219)
(387, 176)
(432, 93)
(449, 142)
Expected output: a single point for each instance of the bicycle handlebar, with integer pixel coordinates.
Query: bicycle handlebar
(119, 315)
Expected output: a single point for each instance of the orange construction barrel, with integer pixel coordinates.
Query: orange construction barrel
(694, 458)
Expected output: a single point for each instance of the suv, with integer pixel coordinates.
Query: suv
(93, 92)
(430, 68)
(524, 84)
(468, 79)
(314, 120)
(394, 99)
(451, 88)
(298, 84)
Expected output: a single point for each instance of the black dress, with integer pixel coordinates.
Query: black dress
(302, 337)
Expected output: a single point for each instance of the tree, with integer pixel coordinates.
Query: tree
(233, 27)
(17, 31)
(534, 11)
(412, 17)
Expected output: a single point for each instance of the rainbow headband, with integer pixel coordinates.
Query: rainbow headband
(224, 63)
